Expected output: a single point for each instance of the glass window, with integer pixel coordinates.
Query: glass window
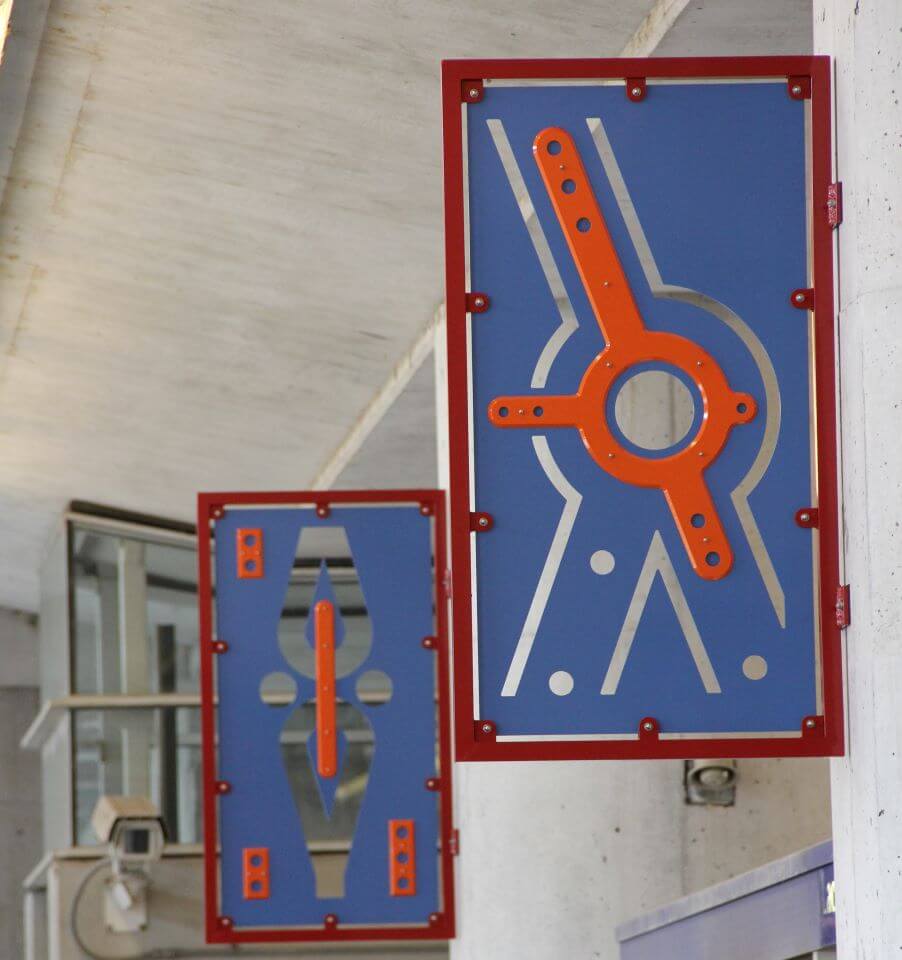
(134, 622)
(151, 752)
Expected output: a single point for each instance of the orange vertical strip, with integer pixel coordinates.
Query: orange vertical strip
(256, 873)
(402, 858)
(324, 634)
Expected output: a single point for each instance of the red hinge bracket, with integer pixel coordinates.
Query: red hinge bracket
(636, 88)
(799, 88)
(807, 517)
(843, 606)
(471, 91)
(649, 728)
(803, 298)
(484, 729)
(481, 522)
(454, 842)
(834, 204)
(477, 302)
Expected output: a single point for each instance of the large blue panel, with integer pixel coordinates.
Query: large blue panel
(716, 173)
(392, 552)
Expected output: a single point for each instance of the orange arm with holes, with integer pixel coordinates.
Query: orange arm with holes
(587, 235)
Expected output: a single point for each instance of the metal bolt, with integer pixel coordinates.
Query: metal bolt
(434, 918)
(636, 91)
(486, 728)
(483, 521)
(474, 93)
(810, 723)
(804, 516)
(609, 363)
(479, 302)
(648, 726)
(701, 453)
(799, 298)
(796, 90)
(607, 283)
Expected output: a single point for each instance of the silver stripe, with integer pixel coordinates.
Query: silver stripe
(569, 324)
(572, 500)
(745, 487)
(657, 560)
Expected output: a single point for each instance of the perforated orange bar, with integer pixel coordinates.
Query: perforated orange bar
(249, 553)
(402, 858)
(324, 633)
(256, 873)
(680, 477)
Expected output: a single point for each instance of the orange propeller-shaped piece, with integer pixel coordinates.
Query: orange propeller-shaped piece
(679, 476)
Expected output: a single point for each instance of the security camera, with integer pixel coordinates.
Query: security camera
(711, 782)
(132, 828)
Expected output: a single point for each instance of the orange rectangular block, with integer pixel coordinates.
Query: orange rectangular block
(255, 861)
(249, 553)
(326, 740)
(402, 858)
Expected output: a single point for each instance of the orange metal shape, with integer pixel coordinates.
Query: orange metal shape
(255, 861)
(402, 859)
(680, 476)
(249, 553)
(326, 739)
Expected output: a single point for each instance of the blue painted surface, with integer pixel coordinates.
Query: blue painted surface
(392, 552)
(717, 176)
(775, 912)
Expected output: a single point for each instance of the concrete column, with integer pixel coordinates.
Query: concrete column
(865, 39)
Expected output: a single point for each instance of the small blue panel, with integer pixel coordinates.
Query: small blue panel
(703, 188)
(392, 554)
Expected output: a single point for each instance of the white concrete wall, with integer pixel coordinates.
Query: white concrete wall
(865, 39)
(20, 780)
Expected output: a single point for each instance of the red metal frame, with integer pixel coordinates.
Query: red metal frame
(826, 736)
(219, 929)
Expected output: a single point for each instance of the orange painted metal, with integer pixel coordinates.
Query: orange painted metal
(249, 553)
(402, 859)
(326, 737)
(680, 476)
(255, 861)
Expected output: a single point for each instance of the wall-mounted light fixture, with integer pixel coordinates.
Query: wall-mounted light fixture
(711, 782)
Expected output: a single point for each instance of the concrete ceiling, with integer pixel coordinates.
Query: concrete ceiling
(221, 231)
(220, 228)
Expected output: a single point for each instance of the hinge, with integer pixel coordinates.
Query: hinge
(834, 204)
(446, 583)
(454, 842)
(843, 607)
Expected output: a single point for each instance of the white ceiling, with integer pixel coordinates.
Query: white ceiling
(221, 229)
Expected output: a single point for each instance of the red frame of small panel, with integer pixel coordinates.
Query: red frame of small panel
(827, 736)
(442, 928)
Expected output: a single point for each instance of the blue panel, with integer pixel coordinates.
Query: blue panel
(716, 173)
(391, 549)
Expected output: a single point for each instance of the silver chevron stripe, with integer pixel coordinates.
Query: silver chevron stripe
(657, 560)
(569, 324)
(743, 490)
(572, 500)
